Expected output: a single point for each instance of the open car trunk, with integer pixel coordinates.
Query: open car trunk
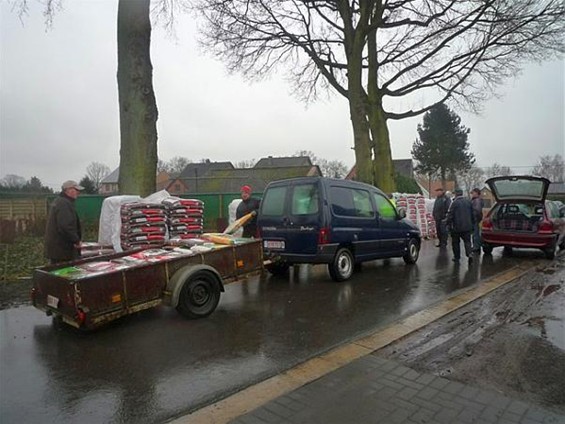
(523, 216)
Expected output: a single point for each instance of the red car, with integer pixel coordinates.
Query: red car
(522, 217)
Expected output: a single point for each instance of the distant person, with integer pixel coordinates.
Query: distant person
(248, 204)
(460, 223)
(441, 206)
(478, 205)
(63, 232)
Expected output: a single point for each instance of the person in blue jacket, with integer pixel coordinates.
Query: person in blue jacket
(460, 222)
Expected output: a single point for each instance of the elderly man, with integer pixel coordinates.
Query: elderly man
(63, 232)
(441, 206)
(248, 204)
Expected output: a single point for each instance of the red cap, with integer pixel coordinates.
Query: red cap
(246, 189)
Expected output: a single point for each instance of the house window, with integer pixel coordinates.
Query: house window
(177, 188)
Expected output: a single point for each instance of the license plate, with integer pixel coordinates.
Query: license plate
(52, 301)
(273, 244)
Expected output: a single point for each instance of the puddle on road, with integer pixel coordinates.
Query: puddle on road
(550, 329)
(545, 290)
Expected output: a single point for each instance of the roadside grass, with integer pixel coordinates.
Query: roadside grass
(18, 259)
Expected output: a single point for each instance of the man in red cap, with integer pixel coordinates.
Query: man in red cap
(248, 204)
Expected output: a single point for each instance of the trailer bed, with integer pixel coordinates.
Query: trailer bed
(91, 292)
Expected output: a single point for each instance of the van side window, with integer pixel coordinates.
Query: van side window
(273, 202)
(362, 202)
(351, 202)
(385, 208)
(305, 199)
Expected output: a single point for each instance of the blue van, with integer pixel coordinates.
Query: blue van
(336, 222)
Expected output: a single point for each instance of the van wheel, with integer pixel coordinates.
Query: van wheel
(413, 252)
(341, 268)
(199, 296)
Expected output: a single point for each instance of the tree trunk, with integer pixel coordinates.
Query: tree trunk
(383, 168)
(138, 109)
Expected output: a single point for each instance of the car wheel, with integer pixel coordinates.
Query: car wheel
(413, 252)
(278, 268)
(507, 251)
(487, 249)
(550, 251)
(199, 296)
(341, 267)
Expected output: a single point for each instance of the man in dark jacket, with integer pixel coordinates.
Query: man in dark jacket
(478, 205)
(460, 223)
(248, 204)
(63, 232)
(441, 206)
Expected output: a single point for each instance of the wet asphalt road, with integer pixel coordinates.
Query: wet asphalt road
(155, 366)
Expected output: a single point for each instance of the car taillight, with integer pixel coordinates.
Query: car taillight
(324, 236)
(545, 227)
(486, 225)
(81, 316)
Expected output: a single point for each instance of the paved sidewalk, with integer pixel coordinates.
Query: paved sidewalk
(376, 390)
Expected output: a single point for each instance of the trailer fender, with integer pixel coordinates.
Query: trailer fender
(178, 280)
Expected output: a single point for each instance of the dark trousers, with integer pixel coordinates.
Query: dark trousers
(441, 230)
(455, 243)
(476, 236)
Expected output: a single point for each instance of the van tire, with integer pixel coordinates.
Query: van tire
(341, 268)
(413, 252)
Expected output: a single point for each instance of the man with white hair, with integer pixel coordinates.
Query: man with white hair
(63, 231)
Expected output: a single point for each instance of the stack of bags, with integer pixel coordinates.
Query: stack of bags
(185, 217)
(416, 211)
(143, 225)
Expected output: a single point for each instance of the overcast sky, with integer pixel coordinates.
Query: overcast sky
(59, 103)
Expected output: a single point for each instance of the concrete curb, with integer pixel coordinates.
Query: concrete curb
(256, 395)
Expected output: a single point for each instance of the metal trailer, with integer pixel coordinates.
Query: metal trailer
(191, 283)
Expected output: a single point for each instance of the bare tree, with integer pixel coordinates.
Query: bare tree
(138, 108)
(96, 172)
(176, 164)
(332, 168)
(12, 181)
(471, 178)
(374, 51)
(497, 170)
(550, 167)
(248, 163)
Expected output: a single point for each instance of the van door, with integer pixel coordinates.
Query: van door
(291, 217)
(392, 234)
(354, 221)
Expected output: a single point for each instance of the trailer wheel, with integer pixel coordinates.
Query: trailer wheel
(199, 296)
